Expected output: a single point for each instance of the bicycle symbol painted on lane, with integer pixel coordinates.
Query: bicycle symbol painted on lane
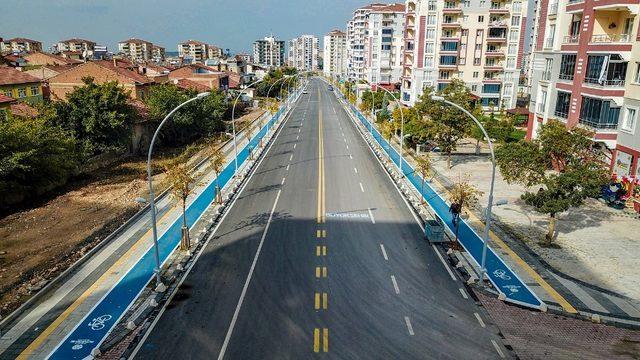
(80, 343)
(98, 323)
(501, 274)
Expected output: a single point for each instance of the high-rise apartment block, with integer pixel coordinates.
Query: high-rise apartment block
(335, 54)
(586, 72)
(269, 52)
(136, 49)
(303, 53)
(478, 41)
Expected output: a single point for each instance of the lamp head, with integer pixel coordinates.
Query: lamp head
(437, 97)
(203, 94)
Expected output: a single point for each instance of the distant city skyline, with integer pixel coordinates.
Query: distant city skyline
(229, 25)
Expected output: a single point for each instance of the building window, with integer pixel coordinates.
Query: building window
(8, 93)
(490, 102)
(567, 66)
(429, 48)
(449, 46)
(562, 104)
(444, 75)
(637, 78)
(481, 18)
(491, 88)
(542, 104)
(546, 75)
(448, 60)
(513, 35)
(515, 21)
(474, 88)
(598, 113)
(432, 5)
(477, 61)
(430, 34)
(511, 63)
(22, 93)
(517, 6)
(35, 91)
(475, 74)
(606, 70)
(629, 121)
(431, 20)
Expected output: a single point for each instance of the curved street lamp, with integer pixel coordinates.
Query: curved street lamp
(152, 200)
(483, 267)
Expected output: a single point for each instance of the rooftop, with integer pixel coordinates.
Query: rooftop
(19, 39)
(77, 40)
(11, 76)
(135, 41)
(6, 99)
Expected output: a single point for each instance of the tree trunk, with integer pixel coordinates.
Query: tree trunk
(552, 229)
(184, 244)
(449, 160)
(422, 189)
(477, 147)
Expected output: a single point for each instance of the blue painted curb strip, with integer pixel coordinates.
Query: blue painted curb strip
(501, 276)
(91, 331)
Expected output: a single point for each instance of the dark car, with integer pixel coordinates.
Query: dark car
(330, 88)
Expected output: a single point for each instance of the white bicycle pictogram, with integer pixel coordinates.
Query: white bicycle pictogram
(80, 343)
(512, 288)
(98, 323)
(499, 273)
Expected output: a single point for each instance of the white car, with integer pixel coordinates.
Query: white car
(305, 91)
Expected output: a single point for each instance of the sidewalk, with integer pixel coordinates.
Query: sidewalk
(595, 267)
(46, 323)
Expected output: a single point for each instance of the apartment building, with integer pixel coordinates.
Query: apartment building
(195, 51)
(303, 53)
(136, 49)
(18, 45)
(269, 52)
(157, 53)
(478, 41)
(76, 45)
(585, 73)
(214, 52)
(356, 38)
(335, 54)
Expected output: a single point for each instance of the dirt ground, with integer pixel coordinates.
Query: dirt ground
(38, 243)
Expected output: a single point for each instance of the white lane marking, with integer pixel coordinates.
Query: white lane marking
(345, 139)
(288, 167)
(294, 145)
(464, 293)
(497, 347)
(453, 277)
(395, 284)
(409, 327)
(361, 188)
(356, 170)
(246, 283)
(479, 319)
(347, 147)
(282, 183)
(299, 130)
(350, 157)
(384, 252)
(297, 136)
(373, 220)
(342, 134)
(291, 157)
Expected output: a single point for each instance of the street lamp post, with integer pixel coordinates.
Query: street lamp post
(152, 201)
(487, 226)
(233, 125)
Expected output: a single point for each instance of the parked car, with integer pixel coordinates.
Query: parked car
(330, 88)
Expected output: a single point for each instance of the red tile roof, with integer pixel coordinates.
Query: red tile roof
(6, 99)
(135, 41)
(23, 110)
(77, 40)
(388, 8)
(191, 85)
(127, 72)
(19, 39)
(194, 42)
(11, 76)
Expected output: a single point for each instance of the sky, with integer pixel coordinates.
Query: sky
(228, 24)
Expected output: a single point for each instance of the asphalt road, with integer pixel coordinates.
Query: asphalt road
(320, 257)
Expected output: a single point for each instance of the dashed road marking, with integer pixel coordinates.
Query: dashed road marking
(497, 347)
(294, 145)
(409, 327)
(479, 319)
(373, 220)
(384, 252)
(288, 167)
(395, 284)
(464, 293)
(361, 188)
(282, 183)
(291, 157)
(356, 170)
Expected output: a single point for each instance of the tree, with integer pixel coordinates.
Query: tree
(561, 163)
(260, 126)
(98, 116)
(370, 99)
(423, 166)
(446, 125)
(35, 157)
(217, 161)
(180, 179)
(462, 195)
(248, 130)
(386, 129)
(195, 120)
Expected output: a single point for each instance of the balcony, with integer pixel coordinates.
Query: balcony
(561, 114)
(571, 2)
(610, 38)
(553, 9)
(493, 65)
(546, 76)
(548, 44)
(605, 82)
(498, 24)
(451, 24)
(598, 125)
(565, 77)
(451, 7)
(498, 8)
(571, 39)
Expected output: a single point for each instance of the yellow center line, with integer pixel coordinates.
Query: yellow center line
(26, 353)
(321, 271)
(325, 340)
(316, 340)
(325, 301)
(321, 250)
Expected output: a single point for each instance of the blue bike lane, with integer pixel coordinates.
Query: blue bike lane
(92, 330)
(501, 276)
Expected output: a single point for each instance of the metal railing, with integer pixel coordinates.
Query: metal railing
(571, 39)
(561, 114)
(614, 38)
(546, 75)
(568, 77)
(598, 124)
(548, 43)
(604, 82)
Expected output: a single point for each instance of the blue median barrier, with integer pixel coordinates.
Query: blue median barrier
(501, 276)
(92, 330)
